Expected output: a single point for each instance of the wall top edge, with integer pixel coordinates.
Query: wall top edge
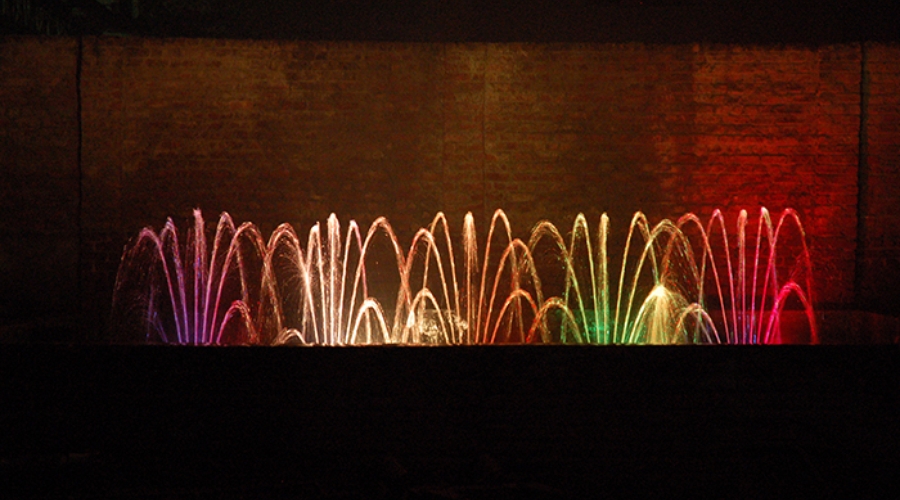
(561, 45)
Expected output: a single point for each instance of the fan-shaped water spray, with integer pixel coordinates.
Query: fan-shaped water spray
(679, 281)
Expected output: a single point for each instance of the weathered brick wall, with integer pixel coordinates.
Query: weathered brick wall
(290, 131)
(571, 129)
(879, 263)
(779, 127)
(38, 183)
(270, 132)
(279, 131)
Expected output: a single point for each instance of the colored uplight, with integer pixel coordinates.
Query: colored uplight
(677, 282)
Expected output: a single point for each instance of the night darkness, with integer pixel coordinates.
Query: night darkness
(80, 418)
(649, 21)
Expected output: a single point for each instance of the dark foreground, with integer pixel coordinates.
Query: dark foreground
(462, 422)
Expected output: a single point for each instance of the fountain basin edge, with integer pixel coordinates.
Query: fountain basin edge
(577, 419)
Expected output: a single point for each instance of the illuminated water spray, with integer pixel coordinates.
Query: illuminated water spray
(679, 281)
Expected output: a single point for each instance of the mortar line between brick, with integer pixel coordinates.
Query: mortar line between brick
(443, 158)
(79, 58)
(484, 215)
(862, 180)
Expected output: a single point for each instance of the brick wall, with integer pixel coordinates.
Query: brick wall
(271, 132)
(38, 183)
(779, 127)
(571, 129)
(879, 256)
(290, 131)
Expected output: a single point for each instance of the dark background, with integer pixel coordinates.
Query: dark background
(288, 111)
(471, 422)
(652, 21)
(90, 149)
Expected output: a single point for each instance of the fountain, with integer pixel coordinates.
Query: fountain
(679, 281)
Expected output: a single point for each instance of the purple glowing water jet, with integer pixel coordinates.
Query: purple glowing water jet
(678, 282)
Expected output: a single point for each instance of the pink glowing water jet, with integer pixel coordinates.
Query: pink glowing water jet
(678, 282)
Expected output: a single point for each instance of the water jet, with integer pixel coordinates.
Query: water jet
(678, 281)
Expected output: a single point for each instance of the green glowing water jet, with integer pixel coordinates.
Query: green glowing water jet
(679, 281)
